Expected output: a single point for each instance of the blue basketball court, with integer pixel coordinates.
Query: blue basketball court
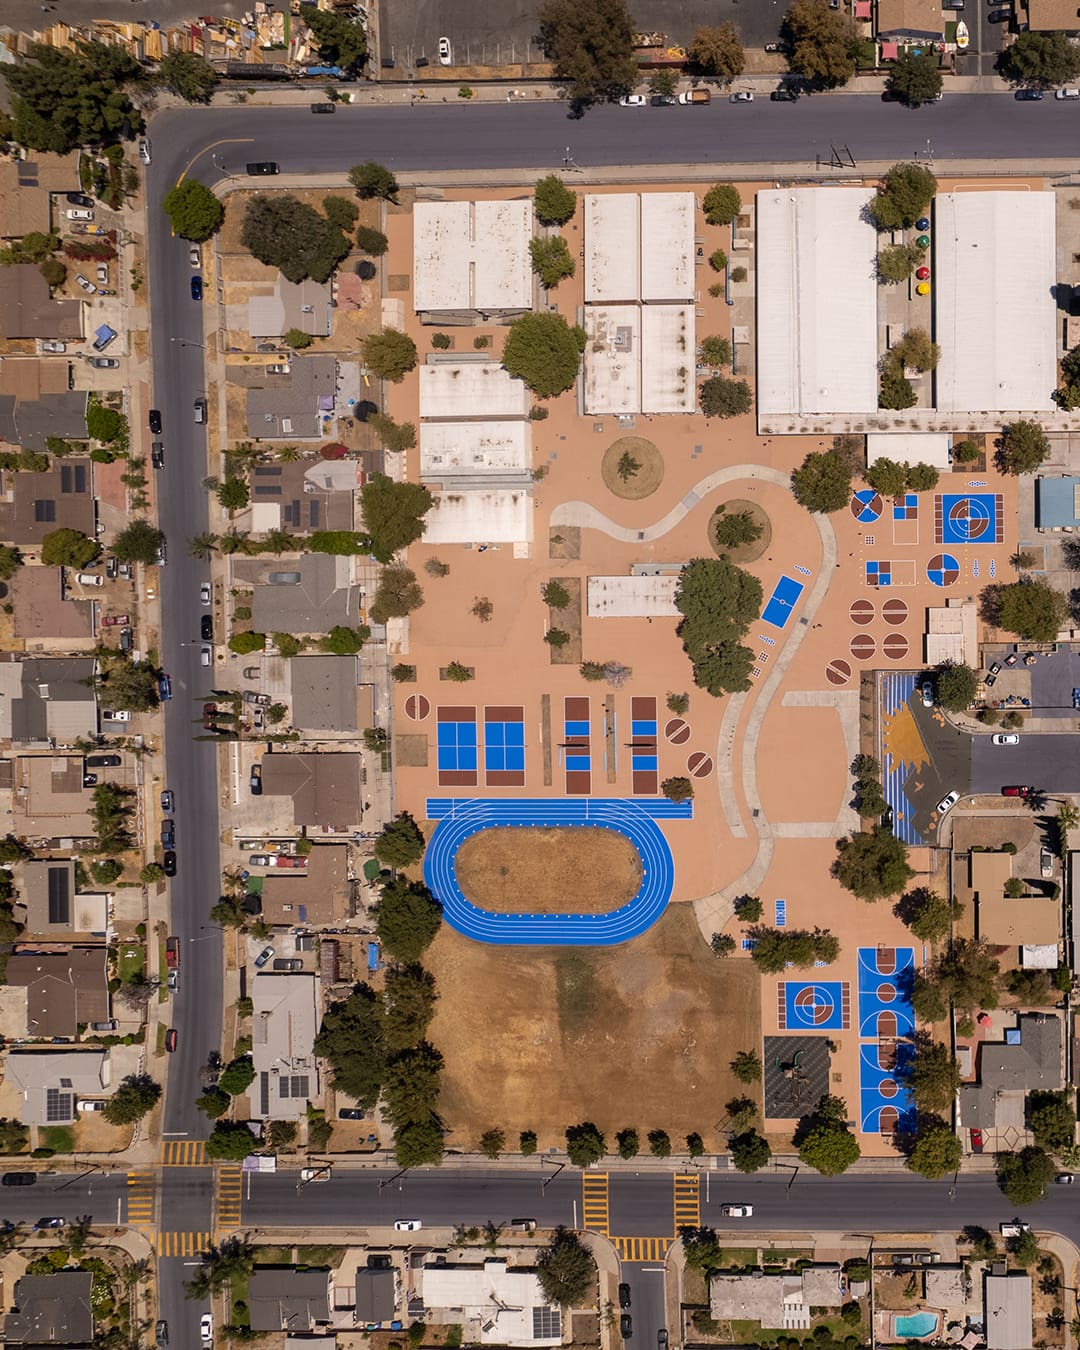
(886, 977)
(886, 1105)
(782, 602)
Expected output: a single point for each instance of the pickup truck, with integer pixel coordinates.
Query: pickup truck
(260, 700)
(172, 952)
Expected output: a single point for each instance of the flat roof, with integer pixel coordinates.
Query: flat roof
(1057, 503)
(995, 315)
(1008, 1311)
(471, 389)
(490, 516)
(612, 247)
(816, 302)
(472, 255)
(668, 345)
(910, 448)
(632, 597)
(453, 449)
(613, 359)
(667, 245)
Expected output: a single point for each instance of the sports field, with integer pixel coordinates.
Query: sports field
(549, 871)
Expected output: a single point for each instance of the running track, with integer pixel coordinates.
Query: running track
(460, 819)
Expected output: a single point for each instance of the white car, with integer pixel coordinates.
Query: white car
(89, 579)
(144, 151)
(195, 255)
(737, 1211)
(121, 715)
(80, 213)
(408, 1225)
(446, 52)
(633, 101)
(88, 286)
(1067, 93)
(206, 1329)
(206, 656)
(743, 96)
(947, 803)
(54, 347)
(205, 593)
(86, 1105)
(1005, 738)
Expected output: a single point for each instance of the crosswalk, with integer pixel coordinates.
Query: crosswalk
(228, 1198)
(141, 1197)
(641, 1248)
(687, 1200)
(595, 1213)
(184, 1153)
(182, 1244)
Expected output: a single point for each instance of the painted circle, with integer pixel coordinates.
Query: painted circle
(943, 570)
(969, 518)
(699, 765)
(894, 612)
(863, 647)
(417, 707)
(677, 731)
(885, 993)
(838, 672)
(888, 1087)
(861, 612)
(895, 646)
(867, 506)
(815, 1004)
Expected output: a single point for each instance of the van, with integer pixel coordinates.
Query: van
(1015, 1228)
(87, 1105)
(200, 411)
(1067, 93)
(523, 1225)
(695, 96)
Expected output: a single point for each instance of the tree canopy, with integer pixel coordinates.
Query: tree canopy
(966, 975)
(905, 194)
(717, 51)
(409, 1006)
(566, 1270)
(401, 843)
(776, 948)
(393, 514)
(68, 548)
(237, 1076)
(829, 1147)
(398, 594)
(1025, 1177)
(193, 210)
(1068, 395)
(341, 41)
(62, 99)
(1039, 59)
(585, 1144)
(286, 233)
(230, 1139)
(915, 77)
(373, 180)
(934, 1077)
(955, 685)
(188, 75)
(137, 1094)
(722, 204)
(821, 43)
(553, 201)
(822, 482)
(1031, 608)
(138, 542)
(1021, 448)
(409, 916)
(352, 1040)
(544, 351)
(590, 46)
(390, 354)
(719, 602)
(935, 1151)
(749, 1151)
(927, 914)
(721, 397)
(223, 1263)
(896, 262)
(551, 260)
(872, 864)
(1052, 1118)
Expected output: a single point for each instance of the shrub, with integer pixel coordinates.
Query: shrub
(677, 789)
(553, 200)
(716, 351)
(718, 260)
(389, 355)
(722, 204)
(370, 241)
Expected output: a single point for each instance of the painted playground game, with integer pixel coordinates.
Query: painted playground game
(551, 1010)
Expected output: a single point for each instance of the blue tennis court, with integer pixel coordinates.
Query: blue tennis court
(504, 747)
(782, 602)
(457, 746)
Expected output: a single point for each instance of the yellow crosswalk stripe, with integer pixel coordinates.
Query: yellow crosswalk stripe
(141, 1197)
(594, 1201)
(182, 1244)
(687, 1200)
(228, 1198)
(184, 1153)
(642, 1248)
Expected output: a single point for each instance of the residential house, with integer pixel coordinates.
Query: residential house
(326, 790)
(28, 310)
(25, 189)
(1049, 16)
(946, 1287)
(780, 1302)
(1008, 1309)
(318, 897)
(300, 497)
(53, 1081)
(51, 1310)
(1030, 926)
(36, 402)
(908, 21)
(500, 1305)
(53, 907)
(284, 1025)
(295, 1301)
(309, 595)
(306, 305)
(374, 1296)
(63, 988)
(50, 800)
(50, 701)
(1028, 1060)
(47, 615)
(328, 700)
(34, 504)
(292, 406)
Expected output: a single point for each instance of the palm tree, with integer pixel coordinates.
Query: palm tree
(279, 541)
(230, 543)
(235, 1256)
(233, 881)
(288, 454)
(202, 545)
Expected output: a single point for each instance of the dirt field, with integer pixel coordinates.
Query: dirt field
(549, 871)
(639, 1034)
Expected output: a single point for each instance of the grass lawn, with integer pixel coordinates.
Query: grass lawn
(319, 1256)
(130, 961)
(238, 1294)
(274, 1256)
(60, 1138)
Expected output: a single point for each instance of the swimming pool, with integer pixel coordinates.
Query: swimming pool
(913, 1325)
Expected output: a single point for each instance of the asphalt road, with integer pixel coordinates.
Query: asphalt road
(102, 1195)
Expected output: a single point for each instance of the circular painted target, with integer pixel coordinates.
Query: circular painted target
(863, 647)
(677, 731)
(861, 612)
(895, 646)
(894, 612)
(838, 672)
(699, 764)
(417, 707)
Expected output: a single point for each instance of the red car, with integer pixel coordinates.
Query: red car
(170, 1039)
(976, 1140)
(111, 620)
(284, 860)
(1016, 790)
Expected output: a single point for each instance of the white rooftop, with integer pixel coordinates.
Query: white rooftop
(632, 597)
(994, 307)
(508, 1304)
(668, 355)
(816, 302)
(612, 247)
(667, 246)
(472, 255)
(480, 516)
(471, 389)
(910, 448)
(612, 359)
(474, 448)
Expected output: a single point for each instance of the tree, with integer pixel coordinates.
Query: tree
(138, 542)
(544, 351)
(584, 1144)
(401, 843)
(872, 865)
(370, 241)
(870, 799)
(408, 918)
(555, 595)
(830, 1148)
(721, 397)
(736, 530)
(905, 194)
(935, 1152)
(927, 914)
(411, 1087)
(527, 1143)
(341, 213)
(965, 452)
(775, 948)
(409, 1006)
(922, 477)
(297, 339)
(895, 390)
(398, 594)
(1039, 60)
(230, 1141)
(1051, 1117)
(663, 81)
(389, 355)
(1014, 888)
(1022, 446)
(344, 641)
(111, 814)
(1031, 608)
(553, 201)
(373, 180)
(718, 602)
(1024, 1248)
(955, 686)
(748, 908)
(717, 51)
(887, 477)
(749, 1152)
(137, 1094)
(627, 1144)
(721, 204)
(244, 644)
(590, 46)
(821, 43)
(341, 41)
(202, 546)
(934, 1077)
(68, 548)
(1025, 1176)
(10, 561)
(822, 482)
(915, 77)
(14, 1135)
(193, 210)
(917, 351)
(677, 789)
(237, 1076)
(966, 975)
(288, 234)
(394, 436)
(566, 1269)
(213, 1102)
(418, 1143)
(63, 99)
(715, 351)
(393, 514)
(746, 1066)
(458, 673)
(233, 495)
(188, 76)
(352, 1040)
(551, 260)
(221, 1264)
(492, 1142)
(660, 1143)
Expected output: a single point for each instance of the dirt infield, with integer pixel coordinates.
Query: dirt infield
(639, 1034)
(539, 871)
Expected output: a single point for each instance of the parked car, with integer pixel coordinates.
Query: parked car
(976, 1139)
(127, 639)
(168, 862)
(633, 101)
(89, 579)
(78, 199)
(662, 100)
(168, 832)
(196, 287)
(144, 151)
(323, 107)
(446, 52)
(263, 957)
(742, 96)
(1067, 93)
(103, 274)
(1046, 862)
(200, 411)
(80, 213)
(164, 686)
(626, 1326)
(260, 860)
(105, 363)
(288, 860)
(206, 656)
(947, 803)
(1062, 1178)
(89, 1104)
(115, 620)
(206, 1329)
(161, 1334)
(1005, 738)
(784, 95)
(624, 1296)
(408, 1225)
(262, 168)
(1016, 790)
(206, 593)
(927, 691)
(172, 981)
(737, 1211)
(50, 1223)
(119, 715)
(103, 761)
(162, 552)
(155, 422)
(157, 454)
(18, 1179)
(289, 964)
(171, 1037)
(279, 368)
(255, 780)
(350, 1113)
(56, 348)
(86, 285)
(1025, 95)
(206, 628)
(195, 255)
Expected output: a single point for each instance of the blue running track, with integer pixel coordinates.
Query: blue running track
(896, 692)
(460, 819)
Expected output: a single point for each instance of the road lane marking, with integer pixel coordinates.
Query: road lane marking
(595, 1212)
(687, 1200)
(182, 1244)
(641, 1248)
(141, 1199)
(184, 1153)
(228, 1198)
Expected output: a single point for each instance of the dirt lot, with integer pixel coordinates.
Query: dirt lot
(541, 1038)
(549, 871)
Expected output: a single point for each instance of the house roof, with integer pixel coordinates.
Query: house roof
(326, 789)
(375, 1295)
(988, 873)
(51, 1310)
(58, 498)
(1033, 1062)
(1052, 15)
(910, 18)
(61, 414)
(509, 1305)
(284, 1024)
(764, 1298)
(56, 700)
(300, 498)
(317, 896)
(1033, 921)
(1008, 1307)
(64, 988)
(305, 305)
(43, 612)
(327, 696)
(54, 907)
(27, 309)
(52, 1081)
(945, 1286)
(323, 597)
(50, 799)
(290, 406)
(25, 185)
(288, 1300)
